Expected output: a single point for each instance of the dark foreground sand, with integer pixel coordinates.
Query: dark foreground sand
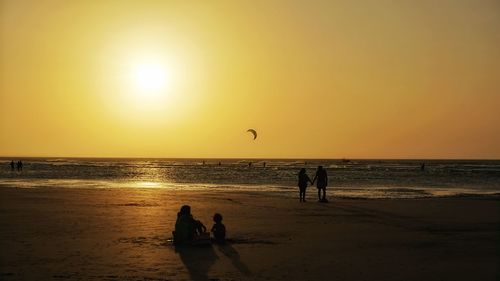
(121, 234)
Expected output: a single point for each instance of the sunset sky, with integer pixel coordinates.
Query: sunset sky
(316, 79)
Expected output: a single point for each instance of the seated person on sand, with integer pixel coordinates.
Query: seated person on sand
(187, 229)
(219, 230)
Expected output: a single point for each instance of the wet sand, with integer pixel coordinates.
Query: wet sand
(122, 234)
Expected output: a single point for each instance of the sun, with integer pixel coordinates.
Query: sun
(149, 86)
(150, 78)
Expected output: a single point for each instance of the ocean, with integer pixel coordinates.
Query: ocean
(395, 179)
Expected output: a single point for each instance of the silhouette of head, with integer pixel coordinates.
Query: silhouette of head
(217, 217)
(302, 171)
(320, 167)
(185, 210)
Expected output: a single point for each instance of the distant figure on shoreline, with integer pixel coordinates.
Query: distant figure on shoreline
(321, 183)
(19, 166)
(422, 166)
(12, 165)
(249, 164)
(219, 229)
(187, 229)
(264, 164)
(303, 180)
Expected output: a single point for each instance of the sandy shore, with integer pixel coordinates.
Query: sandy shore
(121, 234)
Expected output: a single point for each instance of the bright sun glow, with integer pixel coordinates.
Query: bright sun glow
(150, 78)
(150, 85)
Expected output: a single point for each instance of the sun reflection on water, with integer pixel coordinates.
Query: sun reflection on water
(147, 175)
(147, 184)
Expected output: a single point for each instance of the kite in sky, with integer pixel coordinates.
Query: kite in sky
(253, 132)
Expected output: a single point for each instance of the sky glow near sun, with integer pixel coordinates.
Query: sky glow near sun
(319, 79)
(149, 87)
(150, 78)
(150, 83)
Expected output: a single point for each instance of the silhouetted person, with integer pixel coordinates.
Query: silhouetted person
(303, 180)
(422, 167)
(12, 165)
(186, 227)
(19, 166)
(249, 164)
(218, 229)
(321, 179)
(219, 163)
(264, 164)
(199, 227)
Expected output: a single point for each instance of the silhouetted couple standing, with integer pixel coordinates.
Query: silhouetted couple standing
(321, 179)
(19, 165)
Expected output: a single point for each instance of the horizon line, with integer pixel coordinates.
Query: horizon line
(240, 158)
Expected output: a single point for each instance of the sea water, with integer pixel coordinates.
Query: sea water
(347, 178)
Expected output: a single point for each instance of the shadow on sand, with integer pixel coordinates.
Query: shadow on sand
(230, 252)
(197, 260)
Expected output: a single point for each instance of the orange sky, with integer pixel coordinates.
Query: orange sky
(316, 79)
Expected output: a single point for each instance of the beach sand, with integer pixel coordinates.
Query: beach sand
(122, 234)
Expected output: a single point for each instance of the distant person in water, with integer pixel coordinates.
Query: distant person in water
(249, 164)
(422, 166)
(12, 165)
(303, 180)
(19, 166)
(218, 229)
(321, 179)
(187, 228)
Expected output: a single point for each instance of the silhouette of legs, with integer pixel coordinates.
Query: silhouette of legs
(321, 198)
(302, 194)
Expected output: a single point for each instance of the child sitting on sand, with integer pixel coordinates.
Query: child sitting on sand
(219, 230)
